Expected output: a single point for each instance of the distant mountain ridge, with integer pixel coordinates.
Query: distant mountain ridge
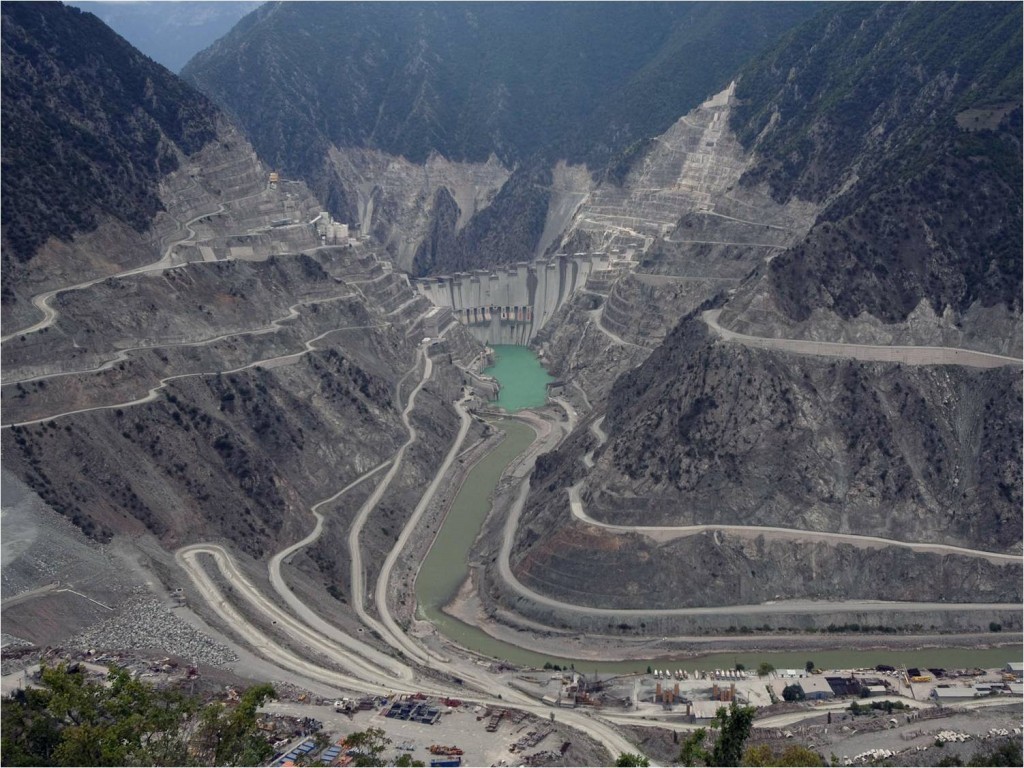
(529, 83)
(170, 33)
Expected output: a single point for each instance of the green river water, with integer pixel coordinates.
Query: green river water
(523, 385)
(523, 379)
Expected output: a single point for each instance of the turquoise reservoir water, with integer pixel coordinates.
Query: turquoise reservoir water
(523, 379)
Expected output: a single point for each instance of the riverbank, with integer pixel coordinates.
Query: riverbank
(623, 654)
(476, 617)
(495, 632)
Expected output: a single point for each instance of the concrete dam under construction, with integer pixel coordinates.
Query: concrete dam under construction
(511, 304)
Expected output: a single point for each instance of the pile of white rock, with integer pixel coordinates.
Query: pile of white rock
(871, 756)
(994, 732)
(950, 736)
(146, 623)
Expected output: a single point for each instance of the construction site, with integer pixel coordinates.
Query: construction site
(913, 707)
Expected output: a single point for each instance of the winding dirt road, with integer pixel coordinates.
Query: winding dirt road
(257, 639)
(670, 532)
(42, 301)
(358, 582)
(781, 607)
(269, 362)
(867, 352)
(122, 355)
(310, 617)
(381, 592)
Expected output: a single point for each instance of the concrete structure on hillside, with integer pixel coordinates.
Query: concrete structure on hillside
(435, 321)
(511, 304)
(331, 232)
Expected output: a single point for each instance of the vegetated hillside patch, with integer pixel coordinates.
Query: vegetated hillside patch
(865, 107)
(90, 127)
(751, 437)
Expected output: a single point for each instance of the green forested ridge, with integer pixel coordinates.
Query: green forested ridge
(90, 126)
(870, 95)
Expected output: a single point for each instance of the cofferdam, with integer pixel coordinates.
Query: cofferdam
(509, 305)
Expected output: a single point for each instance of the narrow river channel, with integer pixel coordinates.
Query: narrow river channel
(523, 385)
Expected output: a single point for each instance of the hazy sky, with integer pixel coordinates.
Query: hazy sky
(170, 33)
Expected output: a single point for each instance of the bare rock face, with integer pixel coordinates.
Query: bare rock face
(221, 399)
(682, 229)
(637, 573)
(242, 455)
(192, 376)
(692, 169)
(710, 432)
(376, 108)
(921, 453)
(397, 201)
(819, 212)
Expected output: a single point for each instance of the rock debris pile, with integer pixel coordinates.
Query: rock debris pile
(145, 623)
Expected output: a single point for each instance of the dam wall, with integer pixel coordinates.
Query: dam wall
(509, 305)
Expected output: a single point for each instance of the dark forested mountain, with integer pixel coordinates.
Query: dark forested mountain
(905, 119)
(90, 127)
(530, 83)
(470, 79)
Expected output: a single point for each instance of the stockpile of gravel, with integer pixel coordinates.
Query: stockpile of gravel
(11, 641)
(145, 623)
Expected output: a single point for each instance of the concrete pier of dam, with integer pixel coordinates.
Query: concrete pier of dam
(511, 304)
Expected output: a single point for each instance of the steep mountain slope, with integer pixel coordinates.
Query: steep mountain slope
(905, 121)
(216, 371)
(90, 129)
(901, 125)
(527, 83)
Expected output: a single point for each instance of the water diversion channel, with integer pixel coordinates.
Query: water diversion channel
(523, 385)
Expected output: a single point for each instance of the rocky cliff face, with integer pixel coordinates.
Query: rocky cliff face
(710, 432)
(416, 210)
(905, 122)
(678, 227)
(525, 84)
(917, 453)
(183, 372)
